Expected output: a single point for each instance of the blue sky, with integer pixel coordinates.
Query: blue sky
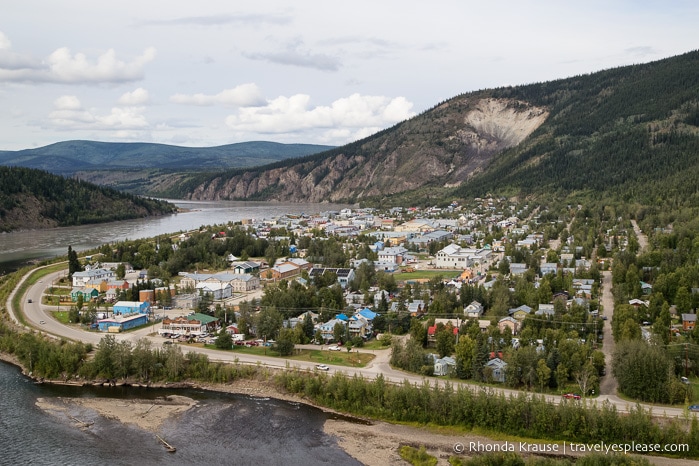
(216, 72)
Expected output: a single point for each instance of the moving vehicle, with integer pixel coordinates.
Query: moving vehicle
(42, 322)
(572, 396)
(693, 408)
(322, 367)
(334, 348)
(29, 301)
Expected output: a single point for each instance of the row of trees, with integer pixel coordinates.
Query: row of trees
(521, 415)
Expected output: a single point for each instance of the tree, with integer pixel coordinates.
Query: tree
(642, 370)
(339, 332)
(120, 271)
(308, 329)
(285, 343)
(464, 357)
(269, 321)
(73, 262)
(543, 373)
(445, 340)
(223, 341)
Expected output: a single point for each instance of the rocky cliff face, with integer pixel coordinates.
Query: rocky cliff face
(442, 147)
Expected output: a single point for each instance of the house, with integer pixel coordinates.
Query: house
(517, 269)
(99, 285)
(432, 330)
(545, 310)
(646, 288)
(131, 307)
(416, 308)
(509, 322)
(520, 312)
(117, 285)
(444, 365)
(548, 267)
(638, 303)
(327, 329)
(498, 368)
(182, 325)
(81, 278)
(359, 326)
(689, 321)
(473, 310)
(88, 294)
(395, 255)
(344, 276)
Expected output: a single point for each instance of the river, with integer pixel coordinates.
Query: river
(17, 248)
(224, 429)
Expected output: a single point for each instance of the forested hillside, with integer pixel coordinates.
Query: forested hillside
(629, 133)
(37, 199)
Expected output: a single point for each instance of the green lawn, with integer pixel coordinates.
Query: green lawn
(337, 358)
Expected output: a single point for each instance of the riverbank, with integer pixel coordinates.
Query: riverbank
(370, 442)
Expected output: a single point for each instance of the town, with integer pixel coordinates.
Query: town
(494, 292)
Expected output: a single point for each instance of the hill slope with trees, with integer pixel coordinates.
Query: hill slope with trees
(629, 132)
(32, 199)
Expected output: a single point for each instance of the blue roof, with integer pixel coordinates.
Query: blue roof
(342, 317)
(367, 313)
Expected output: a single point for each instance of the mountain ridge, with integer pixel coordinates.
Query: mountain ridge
(626, 132)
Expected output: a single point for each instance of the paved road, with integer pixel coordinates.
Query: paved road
(642, 238)
(35, 313)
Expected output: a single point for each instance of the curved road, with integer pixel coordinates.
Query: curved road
(35, 313)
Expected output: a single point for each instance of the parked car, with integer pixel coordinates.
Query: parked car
(42, 322)
(572, 396)
(322, 367)
(334, 348)
(29, 301)
(694, 408)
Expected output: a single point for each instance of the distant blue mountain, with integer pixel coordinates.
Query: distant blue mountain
(72, 156)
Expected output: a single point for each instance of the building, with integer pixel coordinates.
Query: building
(497, 367)
(88, 294)
(689, 321)
(456, 257)
(473, 310)
(344, 276)
(131, 307)
(121, 323)
(80, 279)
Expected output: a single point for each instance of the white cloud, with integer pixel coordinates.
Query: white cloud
(62, 66)
(68, 68)
(69, 114)
(139, 96)
(244, 95)
(356, 114)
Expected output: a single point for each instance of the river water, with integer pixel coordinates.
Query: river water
(17, 248)
(223, 429)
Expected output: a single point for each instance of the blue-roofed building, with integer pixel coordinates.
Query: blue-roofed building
(131, 307)
(119, 324)
(342, 317)
(367, 313)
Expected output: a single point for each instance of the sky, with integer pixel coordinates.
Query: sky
(211, 72)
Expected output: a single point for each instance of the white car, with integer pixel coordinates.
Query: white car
(334, 348)
(322, 367)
